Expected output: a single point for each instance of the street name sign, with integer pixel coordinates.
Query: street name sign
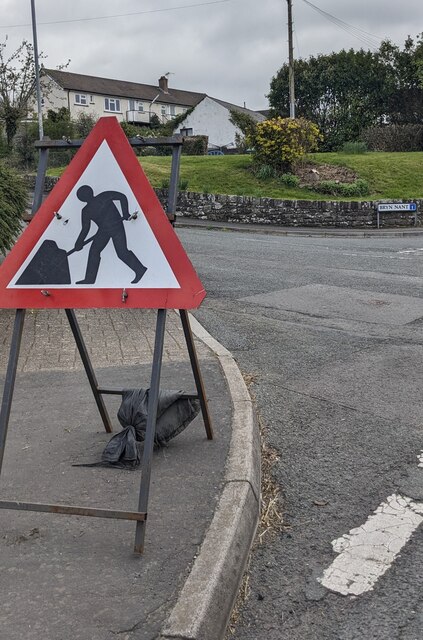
(397, 206)
(101, 239)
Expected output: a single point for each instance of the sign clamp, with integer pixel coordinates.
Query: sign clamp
(140, 516)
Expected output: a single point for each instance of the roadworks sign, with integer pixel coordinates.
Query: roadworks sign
(101, 239)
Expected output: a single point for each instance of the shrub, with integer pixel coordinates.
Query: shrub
(264, 172)
(132, 130)
(394, 137)
(246, 125)
(282, 142)
(354, 147)
(147, 151)
(155, 121)
(58, 125)
(195, 145)
(84, 122)
(24, 155)
(289, 180)
(344, 189)
(13, 200)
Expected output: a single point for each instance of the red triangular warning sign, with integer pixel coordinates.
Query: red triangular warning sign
(101, 239)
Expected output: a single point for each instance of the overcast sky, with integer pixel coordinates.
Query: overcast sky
(229, 49)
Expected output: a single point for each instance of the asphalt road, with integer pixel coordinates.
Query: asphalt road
(332, 331)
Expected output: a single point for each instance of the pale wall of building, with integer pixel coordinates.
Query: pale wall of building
(211, 119)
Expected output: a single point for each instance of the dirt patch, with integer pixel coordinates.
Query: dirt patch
(311, 174)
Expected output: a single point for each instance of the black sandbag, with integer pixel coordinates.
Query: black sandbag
(122, 449)
(174, 413)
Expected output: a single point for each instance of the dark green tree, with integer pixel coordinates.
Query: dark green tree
(349, 91)
(404, 86)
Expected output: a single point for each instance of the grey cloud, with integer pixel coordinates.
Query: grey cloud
(228, 50)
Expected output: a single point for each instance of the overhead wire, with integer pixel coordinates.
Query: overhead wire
(367, 38)
(117, 15)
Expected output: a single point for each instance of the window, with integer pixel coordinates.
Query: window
(163, 109)
(172, 110)
(91, 99)
(134, 105)
(81, 99)
(112, 104)
(186, 132)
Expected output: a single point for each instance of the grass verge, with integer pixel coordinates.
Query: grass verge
(390, 175)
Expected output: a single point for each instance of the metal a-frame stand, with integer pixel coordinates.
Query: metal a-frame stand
(140, 516)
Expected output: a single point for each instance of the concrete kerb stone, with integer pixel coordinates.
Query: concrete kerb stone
(205, 603)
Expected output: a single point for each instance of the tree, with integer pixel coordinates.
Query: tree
(404, 95)
(17, 84)
(348, 91)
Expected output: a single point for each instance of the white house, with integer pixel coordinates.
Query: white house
(211, 117)
(137, 103)
(128, 101)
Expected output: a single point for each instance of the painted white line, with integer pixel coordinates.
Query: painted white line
(367, 552)
(420, 459)
(410, 250)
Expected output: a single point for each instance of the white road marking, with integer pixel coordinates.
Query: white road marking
(410, 250)
(367, 552)
(420, 459)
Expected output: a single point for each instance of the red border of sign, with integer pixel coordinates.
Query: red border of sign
(189, 296)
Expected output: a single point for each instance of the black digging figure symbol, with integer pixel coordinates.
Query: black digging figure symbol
(102, 210)
(50, 264)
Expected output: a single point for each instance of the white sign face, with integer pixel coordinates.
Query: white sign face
(91, 243)
(407, 206)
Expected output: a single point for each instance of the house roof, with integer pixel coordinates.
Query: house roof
(122, 88)
(257, 116)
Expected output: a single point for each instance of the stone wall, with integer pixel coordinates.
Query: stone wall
(292, 213)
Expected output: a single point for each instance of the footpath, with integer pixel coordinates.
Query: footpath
(70, 577)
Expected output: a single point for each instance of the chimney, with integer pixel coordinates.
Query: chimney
(163, 84)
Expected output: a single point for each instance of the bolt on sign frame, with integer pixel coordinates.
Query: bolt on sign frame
(139, 515)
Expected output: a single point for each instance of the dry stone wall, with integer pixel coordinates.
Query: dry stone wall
(289, 213)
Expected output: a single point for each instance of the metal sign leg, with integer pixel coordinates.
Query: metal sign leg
(40, 181)
(151, 428)
(174, 183)
(9, 384)
(197, 373)
(88, 369)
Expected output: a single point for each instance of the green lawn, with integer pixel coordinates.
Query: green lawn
(221, 174)
(390, 175)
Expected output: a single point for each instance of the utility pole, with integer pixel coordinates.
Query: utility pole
(37, 72)
(291, 63)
